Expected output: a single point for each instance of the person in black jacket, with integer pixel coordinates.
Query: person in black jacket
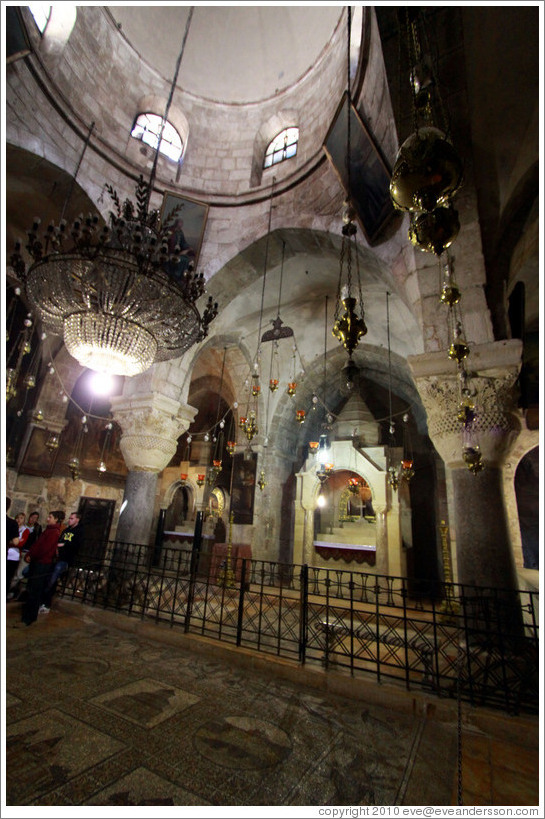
(69, 545)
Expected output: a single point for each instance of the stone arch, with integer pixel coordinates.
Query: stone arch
(527, 441)
(514, 221)
(527, 495)
(183, 491)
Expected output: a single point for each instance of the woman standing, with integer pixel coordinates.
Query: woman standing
(41, 557)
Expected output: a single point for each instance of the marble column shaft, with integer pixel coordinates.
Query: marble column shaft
(483, 548)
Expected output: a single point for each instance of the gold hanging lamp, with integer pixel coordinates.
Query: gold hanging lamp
(349, 326)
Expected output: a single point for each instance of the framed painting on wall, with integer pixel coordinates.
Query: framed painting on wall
(369, 173)
(243, 489)
(38, 459)
(186, 219)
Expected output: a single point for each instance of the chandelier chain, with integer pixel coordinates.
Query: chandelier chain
(167, 108)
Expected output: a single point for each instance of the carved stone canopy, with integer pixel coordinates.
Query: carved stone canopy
(356, 421)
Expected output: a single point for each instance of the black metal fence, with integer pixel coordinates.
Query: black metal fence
(480, 643)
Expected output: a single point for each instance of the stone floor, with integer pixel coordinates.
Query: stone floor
(103, 709)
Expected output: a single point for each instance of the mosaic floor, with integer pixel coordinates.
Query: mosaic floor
(100, 715)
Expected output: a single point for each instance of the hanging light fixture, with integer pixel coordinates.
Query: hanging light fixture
(354, 485)
(407, 460)
(248, 423)
(349, 327)
(324, 471)
(15, 361)
(74, 462)
(52, 442)
(218, 434)
(102, 466)
(106, 290)
(278, 332)
(458, 351)
(427, 172)
(262, 483)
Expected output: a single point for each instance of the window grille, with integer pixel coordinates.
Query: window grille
(282, 147)
(147, 128)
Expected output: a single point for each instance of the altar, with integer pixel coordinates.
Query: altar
(347, 552)
(183, 540)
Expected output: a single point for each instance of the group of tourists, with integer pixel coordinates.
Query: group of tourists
(42, 556)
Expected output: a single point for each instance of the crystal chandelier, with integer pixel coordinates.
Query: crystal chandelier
(107, 289)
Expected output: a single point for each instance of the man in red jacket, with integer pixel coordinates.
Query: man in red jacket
(41, 557)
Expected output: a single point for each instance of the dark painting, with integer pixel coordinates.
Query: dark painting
(369, 174)
(38, 459)
(243, 489)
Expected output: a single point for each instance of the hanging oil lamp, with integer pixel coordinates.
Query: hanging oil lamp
(73, 466)
(473, 458)
(52, 442)
(353, 485)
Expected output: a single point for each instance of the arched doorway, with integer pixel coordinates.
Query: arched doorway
(178, 511)
(527, 493)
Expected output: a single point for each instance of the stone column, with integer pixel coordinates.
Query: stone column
(151, 425)
(483, 548)
(382, 564)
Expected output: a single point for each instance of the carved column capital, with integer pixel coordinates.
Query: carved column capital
(151, 425)
(494, 370)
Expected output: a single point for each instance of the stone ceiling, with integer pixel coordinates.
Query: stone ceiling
(234, 54)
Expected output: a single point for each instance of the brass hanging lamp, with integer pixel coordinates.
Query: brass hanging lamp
(428, 171)
(349, 326)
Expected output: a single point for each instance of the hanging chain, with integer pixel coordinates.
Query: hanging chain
(167, 110)
(339, 283)
(73, 181)
(281, 276)
(265, 263)
(348, 99)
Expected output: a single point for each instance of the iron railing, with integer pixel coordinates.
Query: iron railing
(480, 643)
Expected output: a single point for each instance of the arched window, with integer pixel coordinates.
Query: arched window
(147, 128)
(282, 147)
(41, 13)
